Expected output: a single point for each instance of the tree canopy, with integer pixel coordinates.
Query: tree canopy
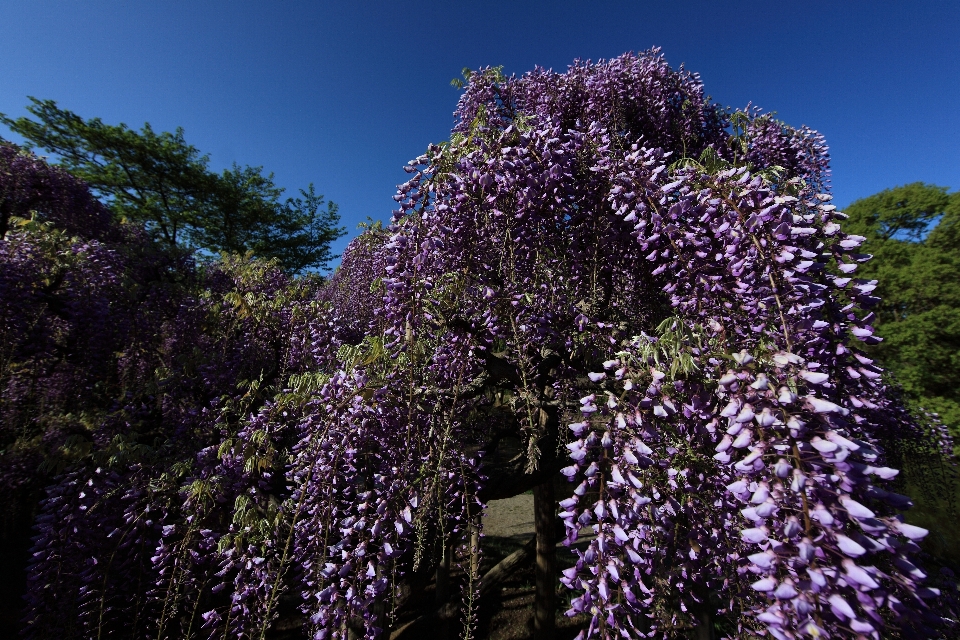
(913, 232)
(163, 182)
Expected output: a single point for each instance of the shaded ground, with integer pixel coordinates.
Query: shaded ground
(507, 612)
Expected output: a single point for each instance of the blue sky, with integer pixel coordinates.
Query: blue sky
(342, 94)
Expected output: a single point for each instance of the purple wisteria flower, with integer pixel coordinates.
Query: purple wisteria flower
(641, 291)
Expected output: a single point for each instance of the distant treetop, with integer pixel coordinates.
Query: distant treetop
(165, 183)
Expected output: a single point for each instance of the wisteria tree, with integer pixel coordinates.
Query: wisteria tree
(601, 275)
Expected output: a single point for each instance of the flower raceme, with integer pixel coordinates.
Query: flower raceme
(653, 296)
(732, 462)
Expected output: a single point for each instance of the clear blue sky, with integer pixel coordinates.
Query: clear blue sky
(343, 93)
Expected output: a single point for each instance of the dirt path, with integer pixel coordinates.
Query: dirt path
(510, 518)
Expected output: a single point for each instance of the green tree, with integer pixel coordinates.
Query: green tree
(163, 182)
(913, 232)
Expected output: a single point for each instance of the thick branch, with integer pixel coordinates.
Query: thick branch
(545, 603)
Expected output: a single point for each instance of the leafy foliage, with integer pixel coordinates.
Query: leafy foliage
(912, 233)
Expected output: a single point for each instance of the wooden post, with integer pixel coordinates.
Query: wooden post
(545, 603)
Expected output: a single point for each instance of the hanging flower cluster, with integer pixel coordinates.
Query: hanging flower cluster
(649, 294)
(779, 514)
(694, 291)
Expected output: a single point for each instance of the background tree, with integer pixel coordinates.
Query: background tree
(912, 232)
(163, 182)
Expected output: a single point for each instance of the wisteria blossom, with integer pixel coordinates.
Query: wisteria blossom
(651, 294)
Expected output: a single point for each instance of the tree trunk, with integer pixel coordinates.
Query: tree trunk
(545, 604)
